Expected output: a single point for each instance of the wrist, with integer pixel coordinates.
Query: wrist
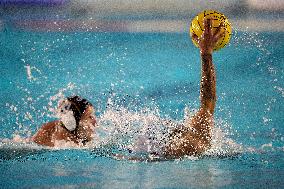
(206, 58)
(206, 53)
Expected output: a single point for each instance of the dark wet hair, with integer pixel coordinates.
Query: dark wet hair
(78, 106)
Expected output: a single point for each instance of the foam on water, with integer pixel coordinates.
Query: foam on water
(125, 131)
(127, 134)
(121, 132)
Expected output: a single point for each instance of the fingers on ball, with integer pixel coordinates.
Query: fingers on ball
(219, 35)
(208, 24)
(218, 30)
(195, 37)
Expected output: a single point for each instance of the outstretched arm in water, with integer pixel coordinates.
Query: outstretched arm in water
(196, 136)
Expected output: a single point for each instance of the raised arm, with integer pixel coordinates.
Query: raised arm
(196, 136)
(207, 84)
(206, 43)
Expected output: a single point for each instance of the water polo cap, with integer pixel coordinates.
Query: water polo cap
(71, 111)
(66, 116)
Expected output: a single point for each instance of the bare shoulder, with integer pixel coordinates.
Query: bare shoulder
(44, 135)
(202, 121)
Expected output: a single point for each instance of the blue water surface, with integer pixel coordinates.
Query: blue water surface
(138, 70)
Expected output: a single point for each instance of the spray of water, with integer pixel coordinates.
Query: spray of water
(128, 134)
(143, 134)
(121, 130)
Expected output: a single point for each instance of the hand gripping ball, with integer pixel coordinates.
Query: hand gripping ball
(197, 26)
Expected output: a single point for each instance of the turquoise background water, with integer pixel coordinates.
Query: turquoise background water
(138, 70)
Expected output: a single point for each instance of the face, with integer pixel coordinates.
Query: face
(66, 116)
(63, 107)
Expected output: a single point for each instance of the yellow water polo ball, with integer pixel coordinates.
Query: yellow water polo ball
(197, 26)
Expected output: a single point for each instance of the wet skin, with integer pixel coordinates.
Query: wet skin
(195, 136)
(54, 131)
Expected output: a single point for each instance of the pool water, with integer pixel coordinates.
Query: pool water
(140, 76)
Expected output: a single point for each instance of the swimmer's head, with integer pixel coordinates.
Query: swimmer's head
(72, 109)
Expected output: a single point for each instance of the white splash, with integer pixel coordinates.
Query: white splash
(57, 98)
(147, 133)
(29, 71)
(142, 132)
